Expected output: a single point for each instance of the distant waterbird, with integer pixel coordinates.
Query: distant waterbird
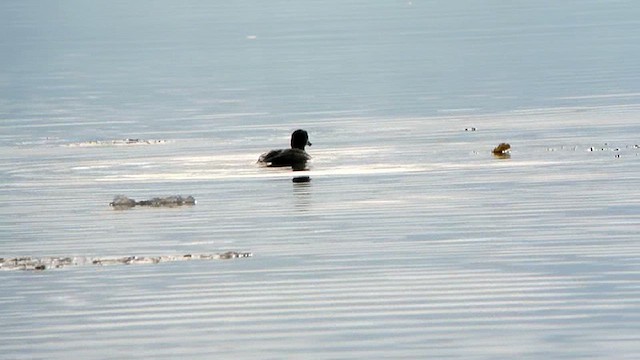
(296, 156)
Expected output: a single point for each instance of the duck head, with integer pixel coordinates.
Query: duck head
(299, 139)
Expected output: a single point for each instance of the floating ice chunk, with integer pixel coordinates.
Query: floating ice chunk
(123, 202)
(43, 263)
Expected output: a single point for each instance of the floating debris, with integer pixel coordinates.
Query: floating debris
(119, 142)
(597, 149)
(123, 202)
(470, 129)
(501, 149)
(43, 263)
(618, 151)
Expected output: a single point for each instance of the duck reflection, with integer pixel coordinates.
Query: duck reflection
(302, 192)
(502, 156)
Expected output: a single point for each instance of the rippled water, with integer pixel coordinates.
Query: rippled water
(410, 241)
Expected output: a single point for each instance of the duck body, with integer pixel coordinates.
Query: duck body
(284, 157)
(295, 157)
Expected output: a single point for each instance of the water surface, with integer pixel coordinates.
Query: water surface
(411, 240)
